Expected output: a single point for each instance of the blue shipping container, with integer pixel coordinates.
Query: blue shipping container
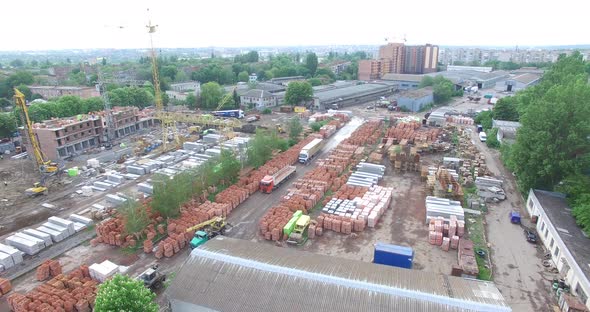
(393, 255)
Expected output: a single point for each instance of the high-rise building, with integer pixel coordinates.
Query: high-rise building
(392, 55)
(397, 58)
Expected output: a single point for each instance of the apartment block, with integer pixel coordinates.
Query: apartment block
(397, 58)
(369, 69)
(67, 137)
(48, 92)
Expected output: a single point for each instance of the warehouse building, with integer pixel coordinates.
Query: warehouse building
(404, 81)
(562, 237)
(480, 79)
(518, 82)
(414, 100)
(351, 95)
(228, 274)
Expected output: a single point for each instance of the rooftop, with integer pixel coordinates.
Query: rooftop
(270, 87)
(527, 78)
(403, 77)
(505, 124)
(560, 215)
(261, 277)
(257, 93)
(460, 76)
(60, 87)
(416, 94)
(350, 91)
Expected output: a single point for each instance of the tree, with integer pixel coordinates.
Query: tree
(7, 125)
(325, 72)
(211, 94)
(236, 97)
(426, 81)
(169, 71)
(243, 76)
(264, 142)
(484, 119)
(26, 91)
(17, 63)
(135, 218)
(315, 82)
(443, 89)
(34, 63)
(191, 101)
(298, 92)
(230, 167)
(295, 129)
(123, 293)
(131, 96)
(104, 61)
(4, 102)
(505, 109)
(311, 63)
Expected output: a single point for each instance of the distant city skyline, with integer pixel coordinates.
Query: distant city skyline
(67, 24)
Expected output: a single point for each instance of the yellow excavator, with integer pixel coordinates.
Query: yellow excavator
(46, 167)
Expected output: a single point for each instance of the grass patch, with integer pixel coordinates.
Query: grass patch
(129, 250)
(317, 206)
(477, 235)
(169, 278)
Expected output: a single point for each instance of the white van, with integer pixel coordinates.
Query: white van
(482, 136)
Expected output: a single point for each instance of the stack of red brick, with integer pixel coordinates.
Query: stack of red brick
(49, 268)
(171, 245)
(340, 224)
(70, 293)
(412, 132)
(233, 195)
(466, 256)
(368, 133)
(5, 286)
(273, 222)
(445, 234)
(348, 192)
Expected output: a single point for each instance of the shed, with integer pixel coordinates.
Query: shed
(227, 274)
(414, 100)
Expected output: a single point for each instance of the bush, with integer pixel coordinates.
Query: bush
(492, 138)
(267, 111)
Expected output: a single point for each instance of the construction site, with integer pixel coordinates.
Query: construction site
(133, 192)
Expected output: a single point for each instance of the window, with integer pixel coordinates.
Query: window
(556, 253)
(530, 203)
(551, 244)
(542, 226)
(581, 293)
(546, 232)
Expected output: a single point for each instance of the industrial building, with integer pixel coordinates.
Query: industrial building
(562, 237)
(480, 79)
(404, 81)
(186, 86)
(227, 274)
(48, 92)
(351, 95)
(415, 100)
(258, 99)
(518, 82)
(66, 137)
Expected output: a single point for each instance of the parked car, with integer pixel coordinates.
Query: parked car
(483, 136)
(531, 236)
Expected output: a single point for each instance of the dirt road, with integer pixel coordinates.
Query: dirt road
(517, 268)
(245, 218)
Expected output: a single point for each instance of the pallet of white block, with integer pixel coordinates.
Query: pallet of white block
(366, 210)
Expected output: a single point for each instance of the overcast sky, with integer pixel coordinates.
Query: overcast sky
(64, 24)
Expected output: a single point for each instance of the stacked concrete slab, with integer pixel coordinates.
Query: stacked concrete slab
(115, 200)
(56, 235)
(193, 146)
(69, 225)
(115, 178)
(443, 207)
(103, 185)
(80, 222)
(212, 138)
(145, 188)
(15, 254)
(213, 151)
(40, 235)
(137, 170)
(366, 174)
(27, 246)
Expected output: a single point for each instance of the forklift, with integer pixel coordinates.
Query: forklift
(152, 279)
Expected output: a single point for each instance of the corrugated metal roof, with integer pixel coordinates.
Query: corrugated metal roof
(350, 91)
(228, 274)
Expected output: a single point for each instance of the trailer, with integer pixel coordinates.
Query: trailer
(393, 255)
(310, 150)
(234, 113)
(271, 182)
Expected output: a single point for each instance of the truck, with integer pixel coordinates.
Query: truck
(152, 278)
(207, 230)
(234, 113)
(271, 182)
(253, 118)
(310, 150)
(393, 255)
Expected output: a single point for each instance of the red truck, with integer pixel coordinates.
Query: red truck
(270, 182)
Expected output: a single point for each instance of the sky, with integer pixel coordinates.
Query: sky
(81, 24)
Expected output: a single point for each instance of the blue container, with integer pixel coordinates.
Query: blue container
(393, 255)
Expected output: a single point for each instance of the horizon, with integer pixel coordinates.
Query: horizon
(47, 26)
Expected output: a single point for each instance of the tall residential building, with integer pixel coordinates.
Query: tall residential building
(392, 57)
(397, 58)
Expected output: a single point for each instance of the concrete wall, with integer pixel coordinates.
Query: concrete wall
(560, 255)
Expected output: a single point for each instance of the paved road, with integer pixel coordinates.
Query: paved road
(517, 268)
(245, 218)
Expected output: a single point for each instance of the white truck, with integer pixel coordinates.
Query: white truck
(310, 150)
